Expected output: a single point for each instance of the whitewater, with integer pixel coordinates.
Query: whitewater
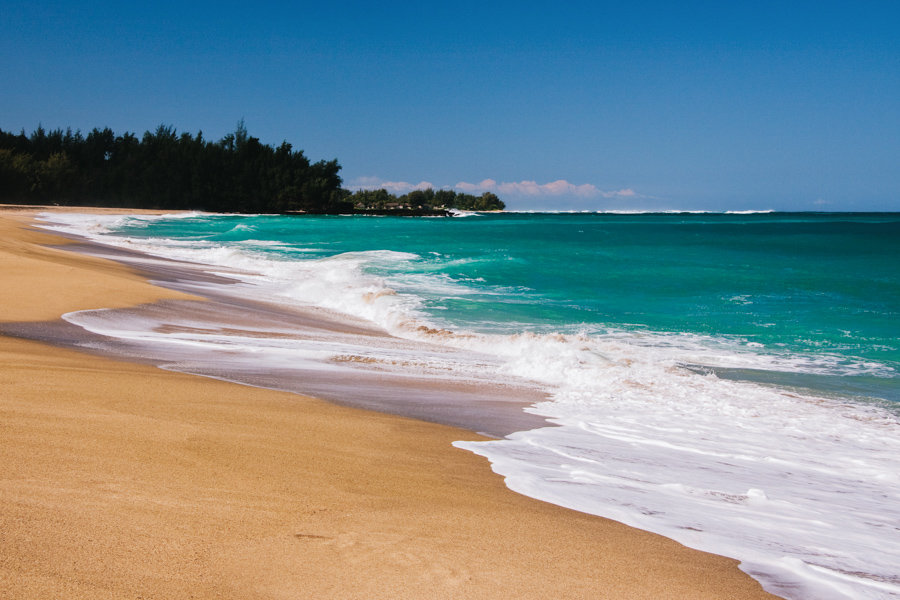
(728, 381)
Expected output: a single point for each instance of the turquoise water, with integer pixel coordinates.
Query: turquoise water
(808, 285)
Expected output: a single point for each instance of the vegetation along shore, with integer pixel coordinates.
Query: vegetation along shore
(166, 170)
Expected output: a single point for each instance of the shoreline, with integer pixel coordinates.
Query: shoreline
(208, 306)
(130, 480)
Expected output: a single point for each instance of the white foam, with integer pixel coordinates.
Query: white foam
(455, 212)
(803, 490)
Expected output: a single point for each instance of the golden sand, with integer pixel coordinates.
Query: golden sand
(126, 481)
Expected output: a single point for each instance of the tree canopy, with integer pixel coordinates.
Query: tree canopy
(427, 199)
(165, 170)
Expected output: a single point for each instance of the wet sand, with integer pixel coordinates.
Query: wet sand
(124, 480)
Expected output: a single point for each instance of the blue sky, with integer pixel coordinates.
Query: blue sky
(554, 105)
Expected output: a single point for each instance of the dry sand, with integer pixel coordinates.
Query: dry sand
(121, 480)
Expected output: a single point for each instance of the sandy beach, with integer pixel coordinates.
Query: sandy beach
(122, 480)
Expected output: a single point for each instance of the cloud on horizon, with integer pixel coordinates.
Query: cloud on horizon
(394, 187)
(525, 188)
(560, 187)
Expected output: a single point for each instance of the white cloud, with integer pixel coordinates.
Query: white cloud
(394, 187)
(521, 189)
(560, 187)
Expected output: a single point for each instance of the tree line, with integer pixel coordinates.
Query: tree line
(166, 170)
(427, 200)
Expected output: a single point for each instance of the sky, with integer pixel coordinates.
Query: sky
(552, 105)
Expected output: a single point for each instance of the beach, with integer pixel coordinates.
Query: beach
(125, 480)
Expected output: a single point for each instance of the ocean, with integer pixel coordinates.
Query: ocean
(731, 381)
